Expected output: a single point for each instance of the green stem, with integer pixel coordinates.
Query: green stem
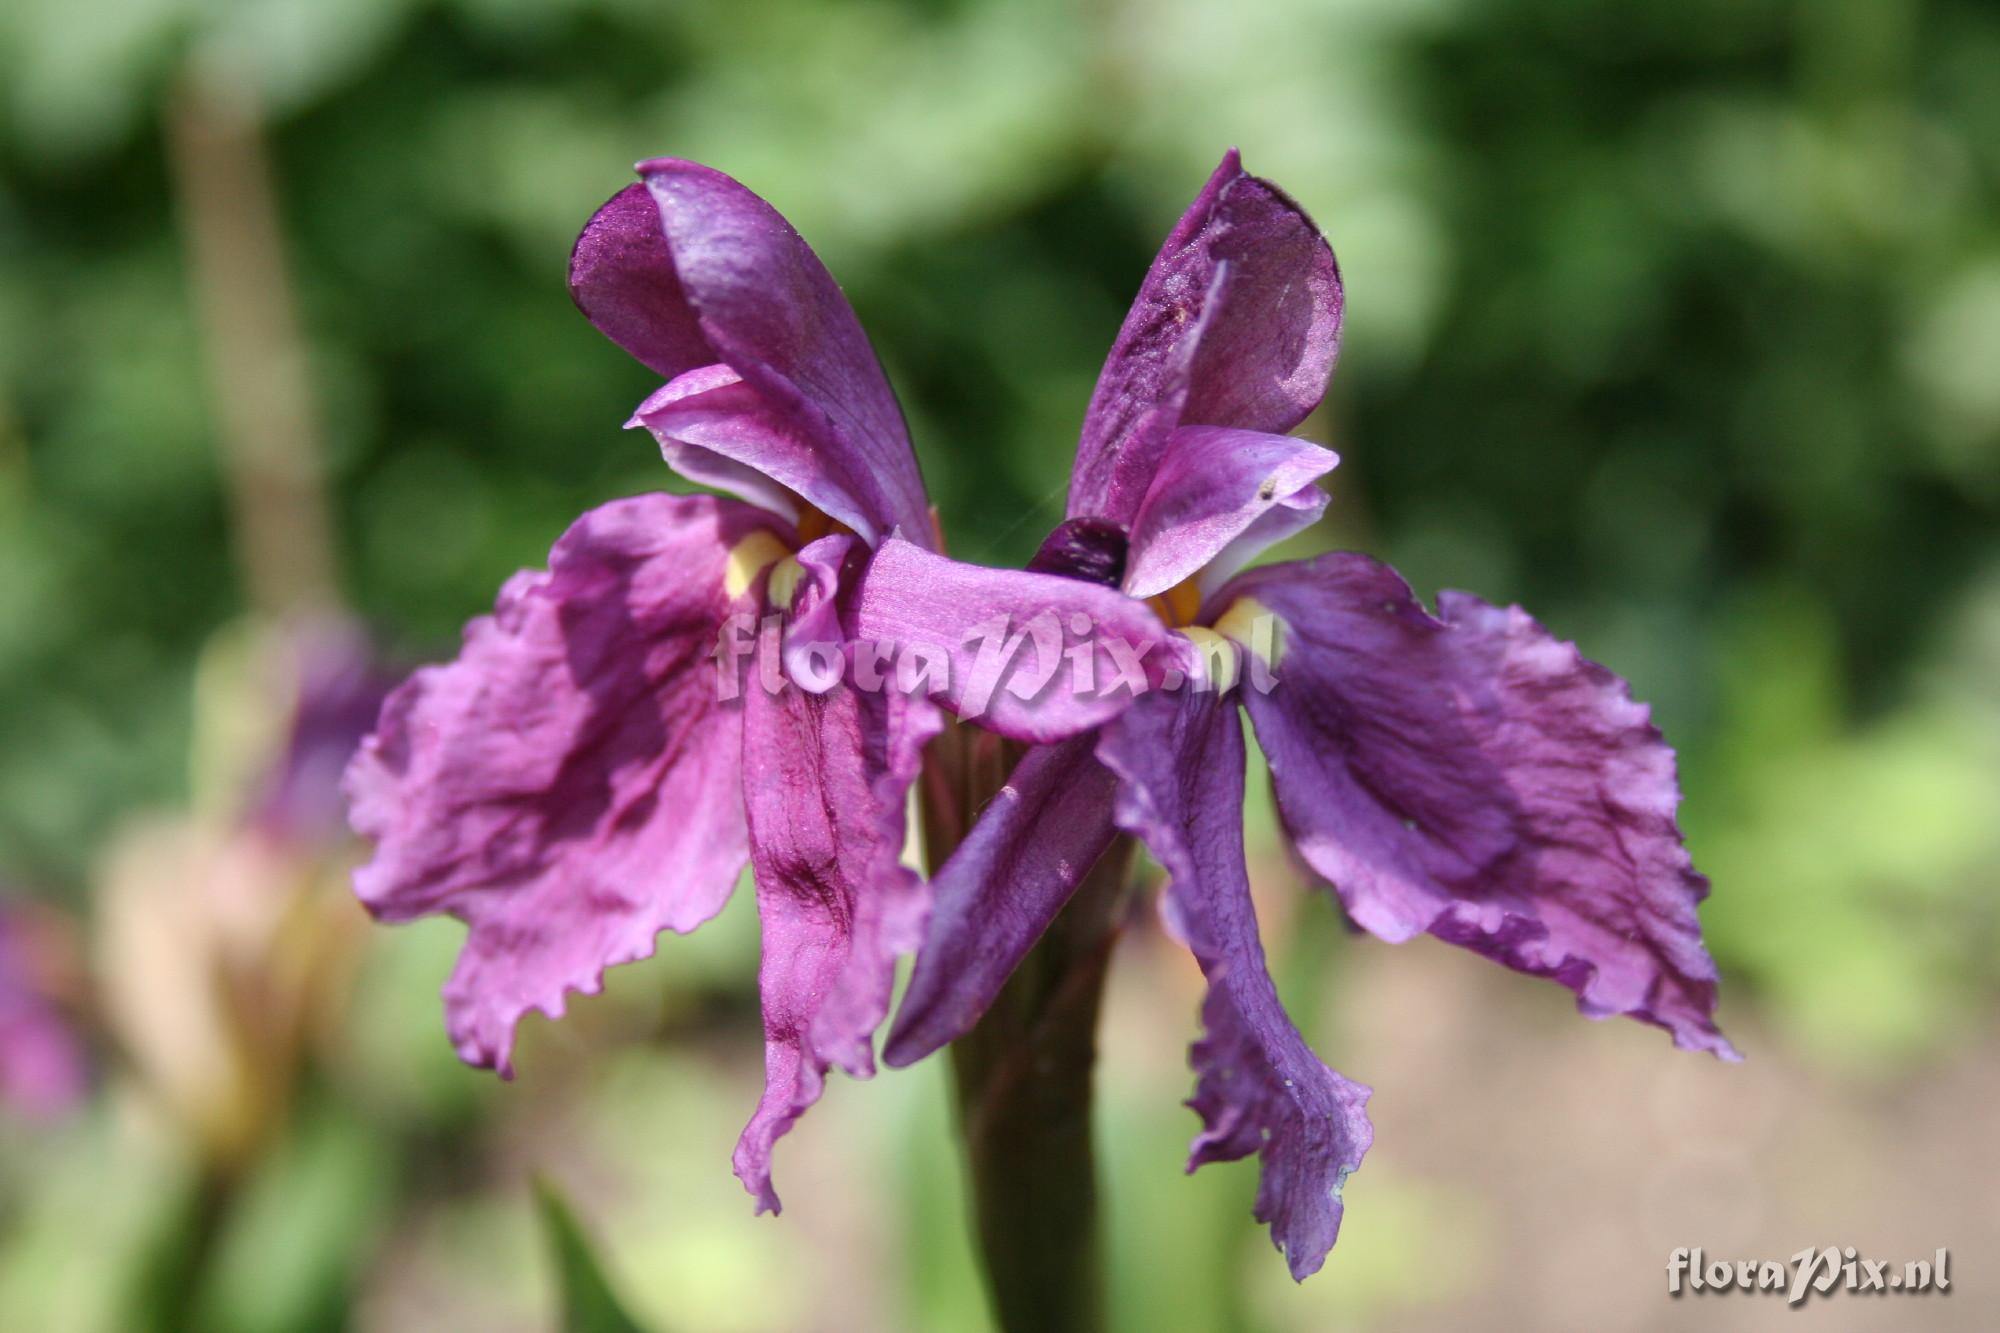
(1022, 1079)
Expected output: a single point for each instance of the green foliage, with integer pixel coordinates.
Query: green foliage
(587, 1302)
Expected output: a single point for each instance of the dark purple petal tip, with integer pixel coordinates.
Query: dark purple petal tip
(1091, 549)
(621, 275)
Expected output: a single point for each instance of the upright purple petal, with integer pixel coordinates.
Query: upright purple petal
(1475, 777)
(1035, 657)
(1179, 760)
(569, 785)
(1237, 324)
(622, 276)
(826, 776)
(776, 316)
(693, 273)
(1027, 852)
(1213, 488)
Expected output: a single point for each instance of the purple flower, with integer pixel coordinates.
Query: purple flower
(43, 1072)
(338, 684)
(1464, 774)
(578, 780)
(575, 782)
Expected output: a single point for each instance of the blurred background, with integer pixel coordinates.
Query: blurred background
(1678, 324)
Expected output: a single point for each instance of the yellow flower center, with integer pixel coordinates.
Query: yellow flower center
(1218, 655)
(1178, 605)
(750, 557)
(784, 583)
(766, 549)
(814, 524)
(1255, 628)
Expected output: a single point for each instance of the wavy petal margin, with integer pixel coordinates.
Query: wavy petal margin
(569, 786)
(1179, 759)
(1472, 776)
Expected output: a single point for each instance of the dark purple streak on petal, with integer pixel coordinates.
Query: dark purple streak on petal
(825, 781)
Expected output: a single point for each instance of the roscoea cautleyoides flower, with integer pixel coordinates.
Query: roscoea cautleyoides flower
(575, 782)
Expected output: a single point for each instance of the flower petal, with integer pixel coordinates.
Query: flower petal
(622, 276)
(714, 430)
(775, 316)
(43, 1073)
(815, 651)
(1179, 759)
(339, 685)
(1025, 855)
(826, 776)
(1475, 777)
(1035, 657)
(1236, 324)
(568, 786)
(1215, 487)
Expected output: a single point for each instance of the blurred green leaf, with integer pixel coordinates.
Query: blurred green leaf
(299, 1230)
(588, 1304)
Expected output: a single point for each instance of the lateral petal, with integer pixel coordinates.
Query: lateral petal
(826, 780)
(1179, 759)
(568, 786)
(1474, 777)
(1025, 855)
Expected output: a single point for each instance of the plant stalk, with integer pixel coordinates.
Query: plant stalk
(1022, 1080)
